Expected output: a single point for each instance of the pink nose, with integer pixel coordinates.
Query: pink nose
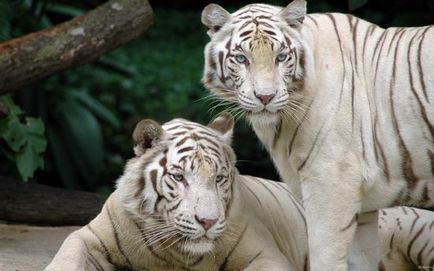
(206, 223)
(265, 99)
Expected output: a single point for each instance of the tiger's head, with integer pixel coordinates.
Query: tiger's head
(179, 185)
(256, 57)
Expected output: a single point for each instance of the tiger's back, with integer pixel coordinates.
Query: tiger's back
(377, 88)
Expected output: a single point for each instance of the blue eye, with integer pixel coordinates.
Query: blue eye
(241, 59)
(177, 177)
(219, 178)
(282, 57)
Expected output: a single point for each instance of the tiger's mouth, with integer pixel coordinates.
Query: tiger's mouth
(263, 117)
(264, 113)
(199, 245)
(200, 239)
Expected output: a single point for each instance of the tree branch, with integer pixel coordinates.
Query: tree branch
(29, 58)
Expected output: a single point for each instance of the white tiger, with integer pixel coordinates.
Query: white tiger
(343, 107)
(181, 205)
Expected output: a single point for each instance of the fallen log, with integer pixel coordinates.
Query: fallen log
(45, 205)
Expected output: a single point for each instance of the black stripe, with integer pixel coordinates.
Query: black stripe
(292, 198)
(383, 38)
(419, 255)
(269, 190)
(145, 238)
(252, 259)
(391, 241)
(153, 176)
(277, 134)
(381, 150)
(313, 20)
(396, 33)
(245, 33)
(410, 245)
(186, 149)
(301, 166)
(140, 185)
(342, 56)
(422, 107)
(419, 63)
(363, 143)
(182, 141)
(415, 220)
(369, 30)
(352, 222)
(94, 261)
(174, 207)
(407, 163)
(221, 57)
(116, 236)
(254, 194)
(104, 247)
(297, 129)
(379, 41)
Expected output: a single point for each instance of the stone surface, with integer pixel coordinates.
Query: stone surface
(29, 248)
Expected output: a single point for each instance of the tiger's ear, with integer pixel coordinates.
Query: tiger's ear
(223, 124)
(214, 17)
(146, 134)
(294, 13)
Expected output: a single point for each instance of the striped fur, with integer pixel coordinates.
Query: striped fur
(152, 220)
(342, 105)
(407, 239)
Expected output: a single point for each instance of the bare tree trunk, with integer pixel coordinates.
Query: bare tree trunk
(44, 205)
(32, 57)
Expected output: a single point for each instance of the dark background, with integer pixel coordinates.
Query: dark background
(89, 112)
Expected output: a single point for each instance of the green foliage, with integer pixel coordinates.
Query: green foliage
(355, 4)
(25, 138)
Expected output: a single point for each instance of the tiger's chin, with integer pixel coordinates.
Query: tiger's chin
(263, 118)
(198, 246)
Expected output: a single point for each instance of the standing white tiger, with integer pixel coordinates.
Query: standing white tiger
(342, 105)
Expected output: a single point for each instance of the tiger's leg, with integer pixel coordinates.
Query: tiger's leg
(364, 251)
(75, 254)
(332, 202)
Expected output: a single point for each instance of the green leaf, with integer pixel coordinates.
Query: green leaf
(14, 134)
(64, 10)
(62, 158)
(26, 139)
(13, 108)
(35, 134)
(83, 135)
(97, 108)
(28, 160)
(355, 4)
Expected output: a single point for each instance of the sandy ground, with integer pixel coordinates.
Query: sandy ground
(29, 248)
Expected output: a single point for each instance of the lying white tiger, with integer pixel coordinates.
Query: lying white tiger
(343, 106)
(181, 205)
